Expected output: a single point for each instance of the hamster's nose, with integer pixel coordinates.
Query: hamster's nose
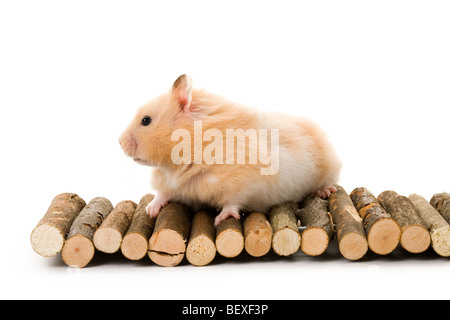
(121, 142)
(128, 144)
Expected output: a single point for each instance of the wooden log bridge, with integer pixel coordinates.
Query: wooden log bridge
(358, 222)
(318, 227)
(349, 225)
(383, 232)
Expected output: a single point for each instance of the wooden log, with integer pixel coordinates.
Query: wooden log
(167, 244)
(415, 237)
(48, 237)
(229, 238)
(383, 232)
(441, 201)
(257, 234)
(317, 221)
(201, 249)
(79, 249)
(437, 226)
(135, 242)
(349, 226)
(286, 237)
(108, 236)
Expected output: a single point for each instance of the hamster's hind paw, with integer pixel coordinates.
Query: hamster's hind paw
(325, 192)
(227, 212)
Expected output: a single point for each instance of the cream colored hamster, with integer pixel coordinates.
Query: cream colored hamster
(207, 150)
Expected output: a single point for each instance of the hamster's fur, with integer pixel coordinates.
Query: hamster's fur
(307, 161)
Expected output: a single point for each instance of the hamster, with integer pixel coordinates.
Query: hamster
(207, 150)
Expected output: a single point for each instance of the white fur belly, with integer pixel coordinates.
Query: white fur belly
(294, 180)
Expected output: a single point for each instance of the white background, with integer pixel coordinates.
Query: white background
(374, 74)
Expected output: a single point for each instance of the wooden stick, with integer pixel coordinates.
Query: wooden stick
(135, 242)
(441, 201)
(229, 238)
(108, 236)
(201, 249)
(167, 244)
(415, 237)
(286, 237)
(319, 231)
(349, 227)
(437, 226)
(257, 234)
(47, 239)
(383, 232)
(79, 249)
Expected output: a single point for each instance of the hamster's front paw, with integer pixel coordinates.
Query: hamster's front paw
(159, 201)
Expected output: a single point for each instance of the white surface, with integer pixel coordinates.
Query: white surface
(373, 74)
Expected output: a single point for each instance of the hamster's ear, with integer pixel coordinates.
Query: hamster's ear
(181, 91)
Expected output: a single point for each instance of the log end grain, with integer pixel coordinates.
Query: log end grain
(108, 237)
(78, 251)
(286, 241)
(134, 246)
(47, 240)
(314, 241)
(107, 240)
(230, 243)
(257, 234)
(384, 236)
(167, 245)
(258, 242)
(415, 239)
(201, 250)
(440, 241)
(286, 238)
(166, 248)
(229, 238)
(353, 246)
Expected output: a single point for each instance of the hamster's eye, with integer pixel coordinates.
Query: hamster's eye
(146, 121)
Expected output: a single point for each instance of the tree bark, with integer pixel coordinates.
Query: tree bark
(167, 244)
(47, 239)
(135, 242)
(286, 237)
(441, 201)
(108, 236)
(437, 226)
(349, 227)
(229, 238)
(201, 249)
(415, 237)
(383, 232)
(257, 234)
(319, 231)
(79, 249)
